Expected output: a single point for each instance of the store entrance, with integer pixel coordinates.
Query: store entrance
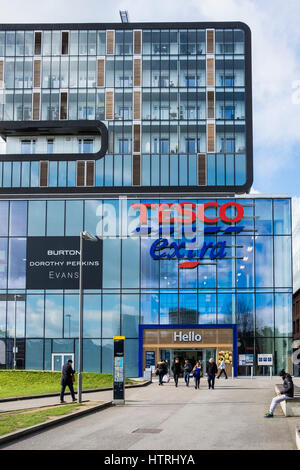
(193, 355)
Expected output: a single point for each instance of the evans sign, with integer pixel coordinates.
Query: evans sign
(189, 337)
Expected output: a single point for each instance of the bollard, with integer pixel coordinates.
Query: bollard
(271, 372)
(251, 372)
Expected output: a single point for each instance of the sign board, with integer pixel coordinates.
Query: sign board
(150, 359)
(226, 355)
(245, 359)
(265, 359)
(119, 369)
(53, 263)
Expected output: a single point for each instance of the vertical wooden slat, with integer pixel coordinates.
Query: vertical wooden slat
(201, 169)
(210, 41)
(136, 138)
(137, 42)
(110, 42)
(210, 105)
(210, 138)
(36, 106)
(1, 73)
(137, 72)
(210, 72)
(101, 72)
(137, 105)
(64, 42)
(90, 173)
(44, 173)
(136, 170)
(37, 43)
(37, 74)
(80, 173)
(109, 105)
(63, 114)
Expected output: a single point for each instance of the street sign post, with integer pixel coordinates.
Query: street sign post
(119, 370)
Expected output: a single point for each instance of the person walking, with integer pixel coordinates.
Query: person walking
(67, 378)
(187, 370)
(222, 368)
(197, 374)
(162, 369)
(286, 394)
(211, 371)
(176, 369)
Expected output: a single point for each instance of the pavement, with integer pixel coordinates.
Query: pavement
(230, 417)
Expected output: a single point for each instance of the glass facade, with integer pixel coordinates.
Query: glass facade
(177, 101)
(251, 286)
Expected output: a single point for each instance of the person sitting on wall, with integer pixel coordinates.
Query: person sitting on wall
(286, 394)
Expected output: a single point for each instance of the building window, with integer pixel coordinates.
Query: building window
(28, 146)
(190, 146)
(227, 112)
(50, 145)
(123, 146)
(163, 146)
(227, 80)
(85, 173)
(228, 145)
(85, 145)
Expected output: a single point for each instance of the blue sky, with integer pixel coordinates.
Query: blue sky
(275, 62)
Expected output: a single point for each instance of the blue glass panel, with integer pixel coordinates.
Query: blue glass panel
(132, 351)
(71, 177)
(16, 174)
(263, 216)
(110, 316)
(3, 263)
(91, 218)
(146, 170)
(54, 316)
(188, 278)
(188, 309)
(53, 174)
(111, 263)
(226, 308)
(34, 354)
(17, 263)
(55, 218)
(25, 174)
(91, 355)
(207, 308)
(149, 266)
(264, 315)
(149, 309)
(74, 218)
(99, 172)
(20, 323)
(118, 161)
(264, 261)
(245, 266)
(71, 315)
(35, 316)
(2, 319)
(211, 169)
(107, 356)
(34, 174)
(164, 170)
(282, 216)
(183, 170)
(226, 272)
(245, 314)
(36, 218)
(63, 346)
(207, 276)
(220, 170)
(155, 159)
(18, 218)
(168, 274)
(283, 315)
(229, 170)
(168, 309)
(130, 263)
(173, 170)
(91, 316)
(240, 169)
(127, 177)
(62, 174)
(3, 218)
(283, 261)
(108, 170)
(130, 315)
(7, 172)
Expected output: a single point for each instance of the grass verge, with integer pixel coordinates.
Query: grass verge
(19, 383)
(13, 421)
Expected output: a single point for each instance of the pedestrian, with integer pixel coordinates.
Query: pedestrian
(67, 378)
(187, 370)
(211, 371)
(222, 368)
(197, 374)
(287, 392)
(176, 369)
(162, 369)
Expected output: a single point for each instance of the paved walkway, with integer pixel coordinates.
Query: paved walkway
(229, 417)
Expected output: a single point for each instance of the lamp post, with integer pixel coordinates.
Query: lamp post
(83, 236)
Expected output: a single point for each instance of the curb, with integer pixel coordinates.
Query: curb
(62, 419)
(49, 395)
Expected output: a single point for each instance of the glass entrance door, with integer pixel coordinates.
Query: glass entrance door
(58, 360)
(193, 355)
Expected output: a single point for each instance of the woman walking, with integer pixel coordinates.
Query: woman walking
(162, 369)
(197, 374)
(176, 369)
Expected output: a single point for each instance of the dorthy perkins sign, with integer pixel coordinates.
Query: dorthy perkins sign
(53, 263)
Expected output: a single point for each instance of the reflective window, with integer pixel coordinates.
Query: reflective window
(3, 218)
(130, 262)
(169, 309)
(91, 316)
(74, 218)
(264, 315)
(34, 354)
(110, 316)
(283, 315)
(282, 261)
(53, 316)
(188, 309)
(71, 316)
(130, 315)
(263, 216)
(282, 216)
(55, 218)
(149, 309)
(18, 218)
(207, 308)
(36, 218)
(245, 314)
(264, 261)
(111, 262)
(35, 316)
(17, 263)
(91, 355)
(226, 308)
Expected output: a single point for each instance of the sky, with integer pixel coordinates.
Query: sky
(275, 65)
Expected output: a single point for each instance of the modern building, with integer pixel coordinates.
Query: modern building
(140, 134)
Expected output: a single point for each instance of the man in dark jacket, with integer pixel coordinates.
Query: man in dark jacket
(176, 369)
(287, 392)
(211, 371)
(66, 380)
(187, 370)
(162, 369)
